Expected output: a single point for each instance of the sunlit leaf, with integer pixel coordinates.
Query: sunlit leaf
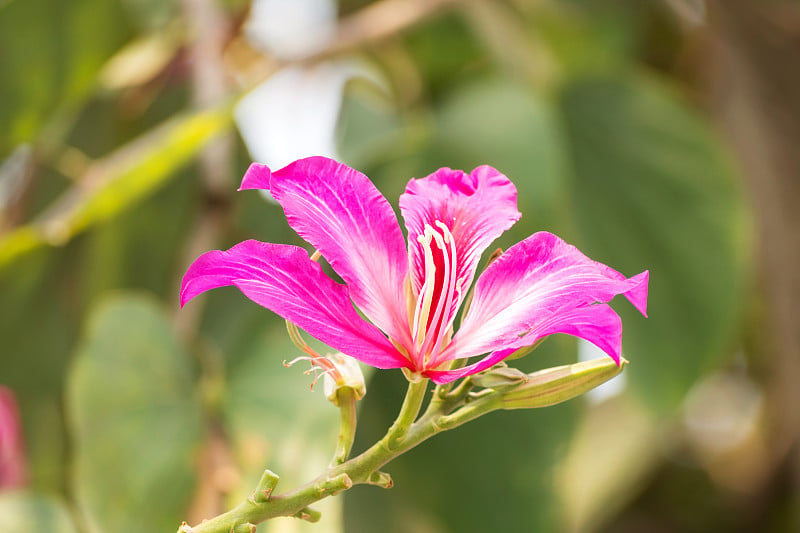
(119, 180)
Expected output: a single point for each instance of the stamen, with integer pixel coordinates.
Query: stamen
(452, 291)
(317, 361)
(426, 292)
(319, 367)
(437, 314)
(432, 322)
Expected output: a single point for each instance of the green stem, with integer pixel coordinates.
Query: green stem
(404, 434)
(408, 413)
(346, 397)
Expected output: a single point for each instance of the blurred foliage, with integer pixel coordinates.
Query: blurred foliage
(22, 511)
(653, 190)
(138, 415)
(51, 55)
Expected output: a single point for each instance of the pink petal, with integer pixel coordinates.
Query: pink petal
(341, 213)
(256, 177)
(535, 282)
(477, 208)
(598, 324)
(283, 279)
(441, 377)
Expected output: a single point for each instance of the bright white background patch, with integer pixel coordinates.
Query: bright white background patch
(609, 389)
(291, 29)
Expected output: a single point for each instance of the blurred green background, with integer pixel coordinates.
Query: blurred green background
(657, 134)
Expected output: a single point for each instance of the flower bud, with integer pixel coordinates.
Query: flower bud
(345, 373)
(500, 378)
(561, 383)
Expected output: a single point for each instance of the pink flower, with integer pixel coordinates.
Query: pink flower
(410, 295)
(13, 467)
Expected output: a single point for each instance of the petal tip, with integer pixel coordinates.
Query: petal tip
(638, 294)
(257, 177)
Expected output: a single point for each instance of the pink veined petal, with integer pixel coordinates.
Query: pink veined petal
(286, 281)
(598, 324)
(256, 177)
(341, 213)
(440, 377)
(533, 281)
(476, 208)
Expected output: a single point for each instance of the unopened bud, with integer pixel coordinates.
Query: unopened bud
(561, 383)
(347, 373)
(500, 378)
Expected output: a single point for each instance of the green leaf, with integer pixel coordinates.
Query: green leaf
(492, 121)
(653, 190)
(135, 418)
(513, 128)
(22, 512)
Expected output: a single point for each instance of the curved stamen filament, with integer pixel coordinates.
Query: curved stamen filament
(434, 323)
(430, 326)
(450, 288)
(316, 360)
(426, 293)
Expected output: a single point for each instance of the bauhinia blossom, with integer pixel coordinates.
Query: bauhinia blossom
(411, 293)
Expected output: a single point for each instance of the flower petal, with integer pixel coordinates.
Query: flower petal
(283, 279)
(440, 377)
(341, 213)
(534, 283)
(256, 177)
(598, 324)
(476, 208)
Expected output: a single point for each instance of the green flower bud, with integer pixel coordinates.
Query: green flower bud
(561, 383)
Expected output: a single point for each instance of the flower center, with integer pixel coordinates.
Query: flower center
(439, 294)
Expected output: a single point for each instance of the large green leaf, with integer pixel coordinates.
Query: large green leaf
(22, 512)
(653, 190)
(135, 417)
(513, 128)
(493, 121)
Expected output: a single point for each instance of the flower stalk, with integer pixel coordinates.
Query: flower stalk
(346, 399)
(444, 412)
(408, 413)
